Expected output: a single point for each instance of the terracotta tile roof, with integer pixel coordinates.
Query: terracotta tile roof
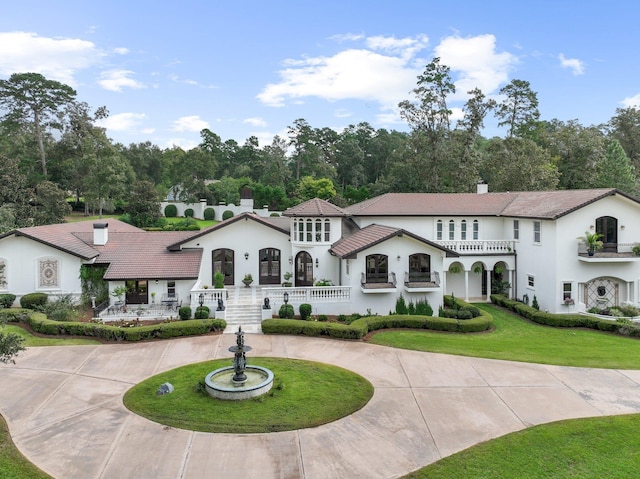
(372, 235)
(315, 207)
(66, 236)
(275, 223)
(534, 204)
(144, 255)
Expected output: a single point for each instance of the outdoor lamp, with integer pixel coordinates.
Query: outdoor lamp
(286, 298)
(246, 255)
(201, 299)
(317, 263)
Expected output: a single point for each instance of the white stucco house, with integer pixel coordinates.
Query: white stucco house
(418, 245)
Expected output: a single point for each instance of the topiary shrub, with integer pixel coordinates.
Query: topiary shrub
(423, 307)
(188, 213)
(171, 211)
(305, 311)
(218, 280)
(227, 214)
(534, 303)
(7, 300)
(464, 314)
(33, 300)
(401, 306)
(202, 312)
(286, 311)
(209, 214)
(323, 317)
(185, 313)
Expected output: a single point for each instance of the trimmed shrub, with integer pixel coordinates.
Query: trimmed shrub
(305, 311)
(227, 214)
(286, 311)
(188, 213)
(423, 307)
(218, 280)
(33, 300)
(184, 313)
(209, 214)
(323, 317)
(464, 314)
(171, 211)
(7, 300)
(202, 312)
(475, 312)
(401, 306)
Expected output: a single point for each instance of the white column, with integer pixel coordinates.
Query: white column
(466, 285)
(488, 298)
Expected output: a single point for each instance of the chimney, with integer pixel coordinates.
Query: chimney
(100, 234)
(482, 188)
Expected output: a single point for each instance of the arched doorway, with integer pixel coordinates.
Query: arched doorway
(269, 266)
(222, 260)
(607, 226)
(304, 269)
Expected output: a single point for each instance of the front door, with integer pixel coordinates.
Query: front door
(304, 269)
(269, 266)
(607, 226)
(222, 260)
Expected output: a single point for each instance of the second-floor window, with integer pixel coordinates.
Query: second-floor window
(476, 230)
(308, 230)
(516, 229)
(536, 231)
(463, 230)
(452, 230)
(439, 230)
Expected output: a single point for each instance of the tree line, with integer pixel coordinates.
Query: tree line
(52, 151)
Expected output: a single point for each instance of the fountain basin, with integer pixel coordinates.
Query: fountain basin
(219, 383)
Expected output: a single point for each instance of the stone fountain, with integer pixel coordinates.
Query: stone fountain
(240, 381)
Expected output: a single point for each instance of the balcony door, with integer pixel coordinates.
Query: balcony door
(607, 226)
(269, 266)
(222, 260)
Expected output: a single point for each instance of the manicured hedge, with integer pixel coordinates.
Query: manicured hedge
(171, 211)
(6, 300)
(566, 320)
(209, 214)
(40, 324)
(33, 300)
(360, 327)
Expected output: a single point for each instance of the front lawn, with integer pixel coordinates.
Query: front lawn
(31, 340)
(517, 339)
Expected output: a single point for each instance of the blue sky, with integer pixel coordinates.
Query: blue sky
(165, 70)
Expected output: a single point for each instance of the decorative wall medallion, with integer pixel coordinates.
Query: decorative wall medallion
(48, 273)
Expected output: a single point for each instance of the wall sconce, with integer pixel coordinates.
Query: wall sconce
(157, 281)
(246, 255)
(290, 259)
(398, 257)
(591, 227)
(622, 227)
(317, 263)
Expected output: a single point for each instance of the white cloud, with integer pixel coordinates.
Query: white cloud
(257, 122)
(342, 113)
(476, 62)
(122, 121)
(184, 143)
(347, 37)
(632, 101)
(363, 74)
(55, 58)
(189, 123)
(121, 51)
(574, 64)
(116, 80)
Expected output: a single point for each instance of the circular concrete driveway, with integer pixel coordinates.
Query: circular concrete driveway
(65, 412)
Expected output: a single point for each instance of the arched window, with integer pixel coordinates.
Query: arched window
(452, 230)
(439, 230)
(300, 230)
(327, 230)
(463, 230)
(309, 231)
(318, 231)
(476, 230)
(607, 226)
(419, 268)
(377, 268)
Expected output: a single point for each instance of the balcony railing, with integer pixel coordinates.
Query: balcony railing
(310, 294)
(422, 280)
(480, 246)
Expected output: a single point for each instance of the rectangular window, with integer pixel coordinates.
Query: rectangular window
(439, 230)
(567, 293)
(327, 230)
(536, 232)
(171, 289)
(516, 229)
(300, 230)
(309, 231)
(476, 230)
(531, 281)
(452, 230)
(463, 230)
(318, 231)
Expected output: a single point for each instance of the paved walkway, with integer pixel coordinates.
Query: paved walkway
(64, 409)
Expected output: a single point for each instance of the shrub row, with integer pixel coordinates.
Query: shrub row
(41, 324)
(360, 327)
(566, 320)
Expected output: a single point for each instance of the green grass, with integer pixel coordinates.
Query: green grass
(31, 340)
(304, 394)
(516, 339)
(13, 465)
(201, 223)
(605, 447)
